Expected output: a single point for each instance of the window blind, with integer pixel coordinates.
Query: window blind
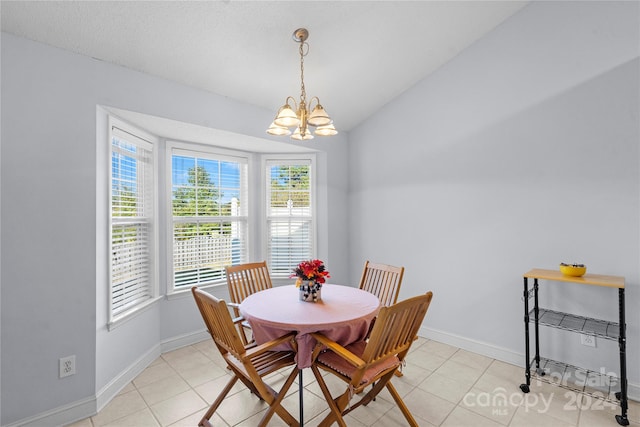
(290, 227)
(131, 221)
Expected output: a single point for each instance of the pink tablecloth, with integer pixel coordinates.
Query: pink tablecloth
(343, 315)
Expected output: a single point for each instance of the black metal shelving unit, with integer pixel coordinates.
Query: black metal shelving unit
(596, 384)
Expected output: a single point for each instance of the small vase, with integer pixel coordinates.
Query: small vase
(310, 291)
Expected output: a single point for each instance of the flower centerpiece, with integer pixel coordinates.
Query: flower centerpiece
(310, 276)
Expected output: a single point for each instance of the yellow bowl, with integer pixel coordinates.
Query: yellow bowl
(575, 270)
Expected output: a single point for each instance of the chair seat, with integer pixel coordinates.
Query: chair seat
(339, 364)
(265, 363)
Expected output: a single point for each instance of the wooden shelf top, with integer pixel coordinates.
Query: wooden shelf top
(587, 279)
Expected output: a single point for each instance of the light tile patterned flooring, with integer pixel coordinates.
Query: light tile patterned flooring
(442, 386)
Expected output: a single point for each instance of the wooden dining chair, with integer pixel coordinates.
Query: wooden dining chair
(249, 363)
(383, 281)
(372, 362)
(242, 281)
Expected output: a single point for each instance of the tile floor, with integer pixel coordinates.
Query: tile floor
(442, 386)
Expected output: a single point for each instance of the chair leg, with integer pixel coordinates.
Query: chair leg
(252, 388)
(334, 405)
(275, 404)
(405, 411)
(205, 419)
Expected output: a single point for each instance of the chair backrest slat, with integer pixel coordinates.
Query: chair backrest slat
(396, 327)
(246, 279)
(383, 281)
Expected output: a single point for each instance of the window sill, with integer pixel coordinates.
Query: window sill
(186, 292)
(124, 318)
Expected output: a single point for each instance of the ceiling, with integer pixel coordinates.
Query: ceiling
(361, 55)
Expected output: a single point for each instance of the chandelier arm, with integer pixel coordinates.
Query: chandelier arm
(295, 104)
(311, 103)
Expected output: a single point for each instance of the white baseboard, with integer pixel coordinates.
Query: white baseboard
(498, 353)
(109, 391)
(184, 340)
(61, 415)
(483, 348)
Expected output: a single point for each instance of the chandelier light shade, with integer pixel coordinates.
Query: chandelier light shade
(274, 129)
(326, 130)
(295, 118)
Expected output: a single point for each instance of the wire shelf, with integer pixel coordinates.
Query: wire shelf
(570, 322)
(595, 384)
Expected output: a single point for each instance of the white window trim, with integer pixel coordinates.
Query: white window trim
(114, 321)
(288, 159)
(196, 149)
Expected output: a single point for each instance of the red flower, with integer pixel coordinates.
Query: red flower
(311, 270)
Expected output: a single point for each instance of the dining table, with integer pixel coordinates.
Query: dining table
(343, 314)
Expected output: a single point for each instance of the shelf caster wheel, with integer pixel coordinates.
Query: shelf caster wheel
(622, 420)
(525, 389)
(618, 395)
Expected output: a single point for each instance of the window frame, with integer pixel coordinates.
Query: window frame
(136, 135)
(215, 153)
(287, 159)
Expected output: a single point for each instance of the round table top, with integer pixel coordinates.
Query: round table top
(281, 306)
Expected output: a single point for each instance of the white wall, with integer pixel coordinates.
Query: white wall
(54, 292)
(520, 153)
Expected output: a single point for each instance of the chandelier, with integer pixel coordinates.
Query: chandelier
(292, 115)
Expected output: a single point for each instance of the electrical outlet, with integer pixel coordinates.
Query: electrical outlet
(67, 366)
(588, 340)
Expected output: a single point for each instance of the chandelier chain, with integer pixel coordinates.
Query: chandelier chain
(303, 92)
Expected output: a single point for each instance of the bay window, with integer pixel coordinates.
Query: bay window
(221, 207)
